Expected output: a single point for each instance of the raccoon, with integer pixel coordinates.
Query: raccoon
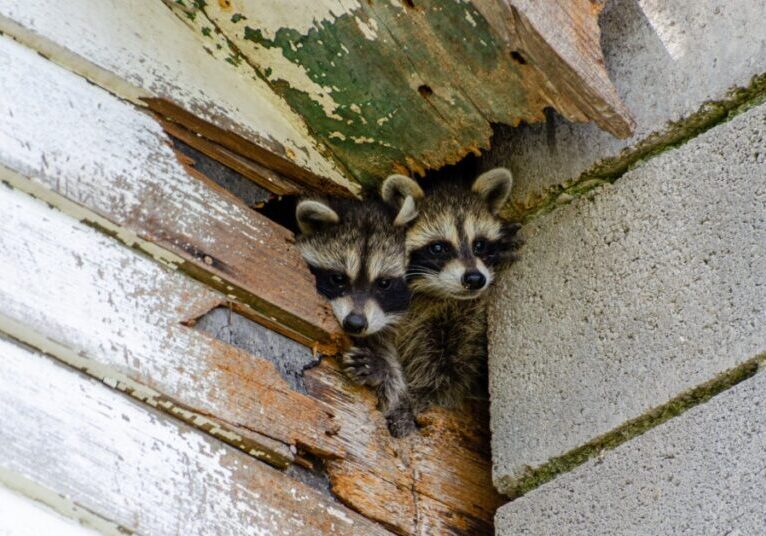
(356, 252)
(454, 248)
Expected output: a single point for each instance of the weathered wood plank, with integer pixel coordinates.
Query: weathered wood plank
(415, 85)
(437, 481)
(561, 41)
(117, 165)
(68, 290)
(140, 469)
(140, 51)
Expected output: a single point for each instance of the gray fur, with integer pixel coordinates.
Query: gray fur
(362, 241)
(442, 342)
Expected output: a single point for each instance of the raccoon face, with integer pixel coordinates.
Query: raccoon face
(458, 240)
(356, 252)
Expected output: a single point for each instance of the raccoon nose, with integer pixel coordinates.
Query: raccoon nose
(354, 323)
(474, 280)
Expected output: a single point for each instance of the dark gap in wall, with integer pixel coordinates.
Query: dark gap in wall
(289, 357)
(279, 209)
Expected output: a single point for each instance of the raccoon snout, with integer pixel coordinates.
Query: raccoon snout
(474, 280)
(354, 323)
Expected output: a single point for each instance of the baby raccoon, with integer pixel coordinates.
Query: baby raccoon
(356, 251)
(454, 247)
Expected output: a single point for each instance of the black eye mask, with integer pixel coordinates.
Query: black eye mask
(428, 259)
(395, 298)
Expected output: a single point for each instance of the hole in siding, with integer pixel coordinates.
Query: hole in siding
(289, 357)
(279, 209)
(425, 91)
(518, 58)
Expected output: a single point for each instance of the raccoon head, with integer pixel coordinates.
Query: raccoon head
(356, 252)
(458, 239)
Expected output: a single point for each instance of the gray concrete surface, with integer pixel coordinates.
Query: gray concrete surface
(666, 59)
(701, 473)
(626, 298)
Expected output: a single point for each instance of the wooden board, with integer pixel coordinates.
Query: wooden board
(413, 85)
(437, 481)
(140, 469)
(117, 166)
(323, 91)
(140, 51)
(70, 291)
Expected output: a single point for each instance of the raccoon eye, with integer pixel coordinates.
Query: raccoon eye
(383, 283)
(479, 247)
(437, 249)
(339, 280)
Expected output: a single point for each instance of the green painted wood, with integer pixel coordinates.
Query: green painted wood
(410, 85)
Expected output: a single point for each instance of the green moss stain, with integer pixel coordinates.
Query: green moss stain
(389, 81)
(703, 393)
(709, 115)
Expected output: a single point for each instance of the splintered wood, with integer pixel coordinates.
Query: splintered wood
(436, 481)
(68, 290)
(141, 470)
(331, 93)
(116, 164)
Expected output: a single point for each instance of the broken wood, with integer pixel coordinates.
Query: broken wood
(332, 91)
(116, 164)
(435, 481)
(412, 86)
(141, 52)
(68, 290)
(141, 470)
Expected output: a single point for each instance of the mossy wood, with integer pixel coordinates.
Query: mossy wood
(330, 94)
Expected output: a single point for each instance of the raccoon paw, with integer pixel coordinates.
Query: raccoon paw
(364, 367)
(401, 422)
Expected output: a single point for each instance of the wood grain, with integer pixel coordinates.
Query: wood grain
(116, 164)
(140, 469)
(139, 50)
(68, 290)
(436, 481)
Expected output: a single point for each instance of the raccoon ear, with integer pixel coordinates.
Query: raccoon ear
(314, 216)
(494, 186)
(403, 193)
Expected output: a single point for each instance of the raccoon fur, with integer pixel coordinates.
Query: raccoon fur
(356, 252)
(454, 248)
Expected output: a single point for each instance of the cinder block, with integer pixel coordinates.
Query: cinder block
(666, 59)
(629, 297)
(701, 473)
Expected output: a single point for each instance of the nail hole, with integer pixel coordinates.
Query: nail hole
(518, 58)
(425, 91)
(409, 3)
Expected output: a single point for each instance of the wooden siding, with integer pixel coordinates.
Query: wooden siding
(329, 93)
(113, 166)
(143, 471)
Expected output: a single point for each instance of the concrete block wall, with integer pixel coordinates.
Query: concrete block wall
(625, 345)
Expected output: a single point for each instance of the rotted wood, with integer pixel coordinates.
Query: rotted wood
(410, 86)
(327, 92)
(436, 481)
(140, 51)
(116, 164)
(140, 470)
(69, 291)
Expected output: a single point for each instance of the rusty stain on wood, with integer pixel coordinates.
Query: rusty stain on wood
(148, 196)
(264, 177)
(60, 273)
(437, 481)
(267, 158)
